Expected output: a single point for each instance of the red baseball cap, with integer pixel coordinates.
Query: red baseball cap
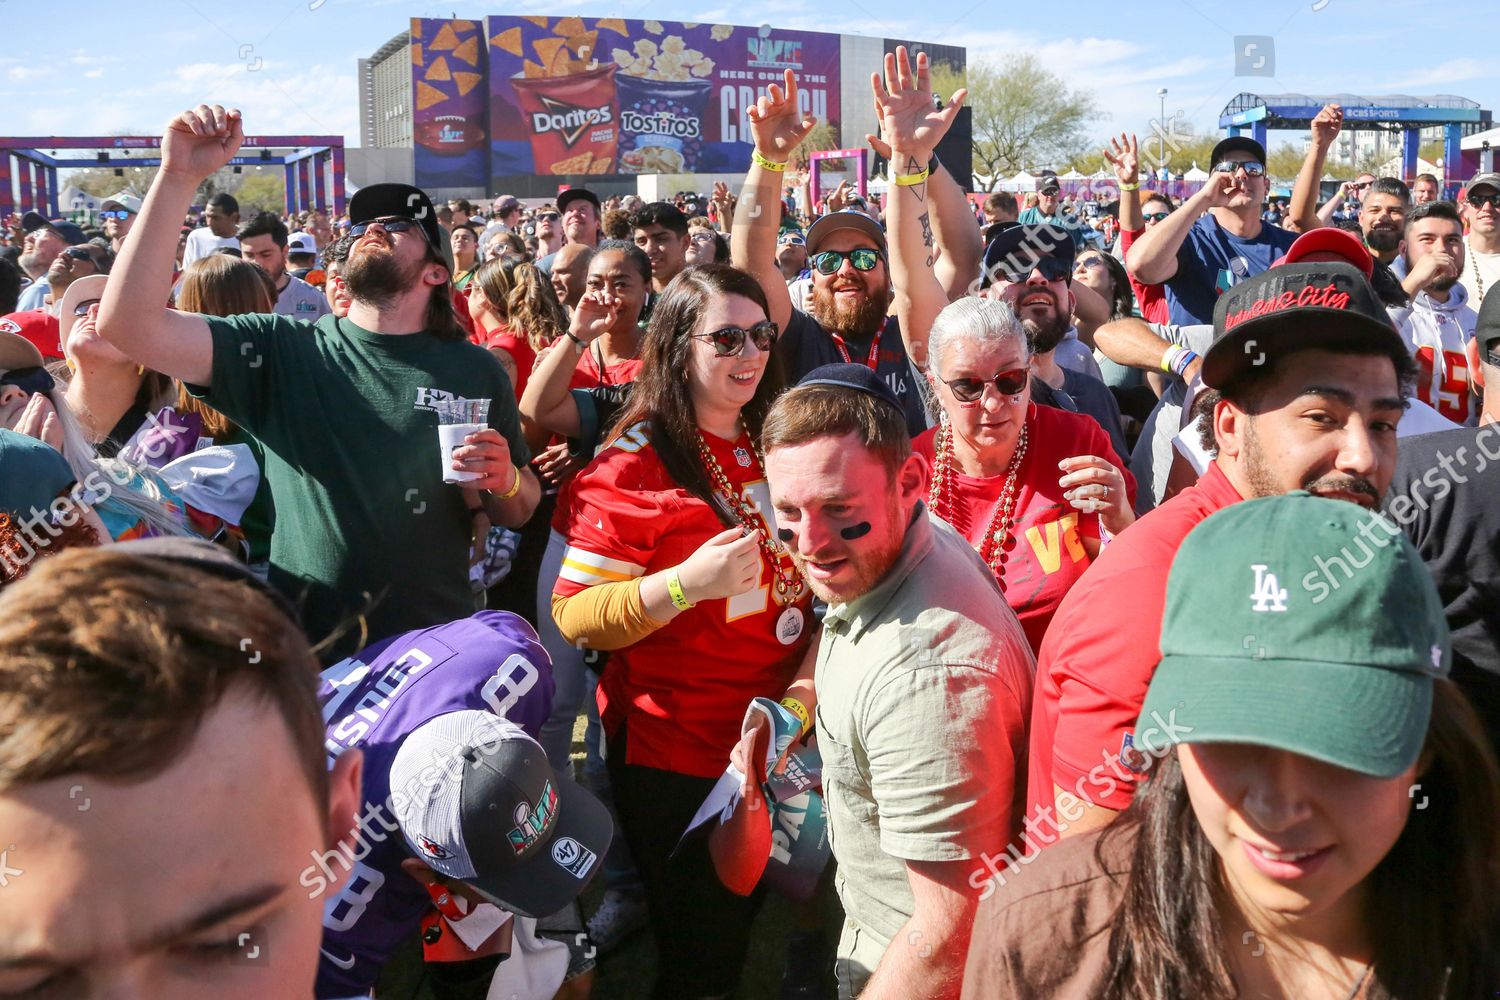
(39, 327)
(1330, 239)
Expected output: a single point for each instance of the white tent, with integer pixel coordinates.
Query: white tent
(1021, 182)
(1071, 175)
(1196, 174)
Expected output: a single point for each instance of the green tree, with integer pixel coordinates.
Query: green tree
(264, 191)
(101, 182)
(1023, 115)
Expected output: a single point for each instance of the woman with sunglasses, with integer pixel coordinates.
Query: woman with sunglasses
(675, 566)
(1319, 820)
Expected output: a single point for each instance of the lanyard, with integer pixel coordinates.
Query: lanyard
(874, 358)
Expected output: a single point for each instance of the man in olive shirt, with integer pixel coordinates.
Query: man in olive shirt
(368, 537)
(922, 685)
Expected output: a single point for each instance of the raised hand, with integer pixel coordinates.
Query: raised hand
(1124, 156)
(725, 565)
(1217, 191)
(1326, 126)
(596, 312)
(1095, 486)
(776, 125)
(200, 141)
(909, 120)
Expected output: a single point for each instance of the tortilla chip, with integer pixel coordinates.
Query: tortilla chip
(416, 54)
(508, 40)
(466, 82)
(533, 71)
(600, 165)
(615, 24)
(438, 71)
(547, 49)
(573, 165)
(583, 44)
(445, 41)
(468, 51)
(562, 64)
(568, 26)
(540, 22)
(428, 95)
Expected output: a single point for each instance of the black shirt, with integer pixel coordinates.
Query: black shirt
(805, 345)
(1446, 496)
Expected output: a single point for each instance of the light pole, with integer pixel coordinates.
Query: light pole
(1161, 130)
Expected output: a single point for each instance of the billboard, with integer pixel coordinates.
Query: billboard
(577, 96)
(449, 64)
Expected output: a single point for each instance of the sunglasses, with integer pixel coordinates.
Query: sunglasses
(548, 217)
(1089, 262)
(731, 340)
(701, 236)
(391, 224)
(830, 261)
(1481, 200)
(1016, 271)
(1007, 383)
(1252, 168)
(82, 309)
(792, 240)
(112, 213)
(78, 253)
(1155, 216)
(1360, 185)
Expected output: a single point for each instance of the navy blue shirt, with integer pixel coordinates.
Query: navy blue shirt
(805, 345)
(1210, 260)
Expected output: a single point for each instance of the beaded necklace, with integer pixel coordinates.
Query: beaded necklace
(789, 583)
(1478, 278)
(940, 497)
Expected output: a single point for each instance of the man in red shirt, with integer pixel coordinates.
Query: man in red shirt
(1311, 380)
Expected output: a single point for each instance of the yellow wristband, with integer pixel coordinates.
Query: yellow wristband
(1130, 187)
(799, 710)
(766, 164)
(910, 180)
(675, 592)
(515, 486)
(1168, 357)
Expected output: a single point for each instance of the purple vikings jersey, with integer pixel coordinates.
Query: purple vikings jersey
(491, 661)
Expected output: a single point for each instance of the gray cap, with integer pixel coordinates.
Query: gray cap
(1492, 179)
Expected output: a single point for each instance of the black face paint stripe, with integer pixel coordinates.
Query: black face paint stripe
(785, 534)
(852, 532)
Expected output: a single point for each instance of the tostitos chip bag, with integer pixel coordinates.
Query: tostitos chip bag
(661, 124)
(573, 120)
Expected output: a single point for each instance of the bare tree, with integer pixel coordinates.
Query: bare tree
(1023, 115)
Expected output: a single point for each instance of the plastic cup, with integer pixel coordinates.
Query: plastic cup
(457, 419)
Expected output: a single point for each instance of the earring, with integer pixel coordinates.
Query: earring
(140, 369)
(72, 365)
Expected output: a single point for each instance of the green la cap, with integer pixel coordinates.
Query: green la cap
(32, 474)
(1303, 624)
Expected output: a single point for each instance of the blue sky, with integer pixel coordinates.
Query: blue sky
(86, 67)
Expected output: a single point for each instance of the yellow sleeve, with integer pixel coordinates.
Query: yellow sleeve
(605, 616)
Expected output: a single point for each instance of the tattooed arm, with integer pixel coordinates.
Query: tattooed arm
(913, 127)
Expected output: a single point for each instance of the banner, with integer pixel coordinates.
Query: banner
(571, 97)
(448, 63)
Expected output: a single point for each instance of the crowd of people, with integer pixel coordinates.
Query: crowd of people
(1135, 592)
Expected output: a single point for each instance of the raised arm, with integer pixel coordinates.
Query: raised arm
(1325, 129)
(777, 128)
(913, 128)
(1124, 158)
(1153, 257)
(133, 315)
(1133, 343)
(547, 403)
(1325, 214)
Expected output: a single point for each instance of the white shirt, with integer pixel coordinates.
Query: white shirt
(202, 242)
(1437, 334)
(1481, 273)
(300, 300)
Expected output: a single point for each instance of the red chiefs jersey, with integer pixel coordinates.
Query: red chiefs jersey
(683, 689)
(1048, 556)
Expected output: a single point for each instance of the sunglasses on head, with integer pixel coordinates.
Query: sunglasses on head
(1155, 216)
(1480, 200)
(391, 224)
(1252, 168)
(731, 339)
(1007, 383)
(830, 261)
(1016, 271)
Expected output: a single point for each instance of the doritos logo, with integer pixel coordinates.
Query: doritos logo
(1310, 297)
(533, 821)
(567, 120)
(433, 849)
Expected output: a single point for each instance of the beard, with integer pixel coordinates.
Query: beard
(1263, 482)
(1443, 284)
(1045, 335)
(870, 561)
(861, 319)
(1383, 240)
(32, 263)
(377, 277)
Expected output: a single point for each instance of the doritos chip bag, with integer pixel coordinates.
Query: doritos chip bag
(573, 120)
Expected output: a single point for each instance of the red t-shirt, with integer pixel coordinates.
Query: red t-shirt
(1098, 658)
(588, 376)
(1150, 300)
(684, 688)
(514, 343)
(1040, 572)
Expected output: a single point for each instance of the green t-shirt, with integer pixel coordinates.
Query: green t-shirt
(365, 524)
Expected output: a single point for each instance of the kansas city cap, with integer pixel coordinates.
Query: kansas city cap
(1013, 251)
(1328, 305)
(1302, 624)
(830, 223)
(853, 376)
(1237, 144)
(1330, 239)
(37, 326)
(381, 200)
(477, 801)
